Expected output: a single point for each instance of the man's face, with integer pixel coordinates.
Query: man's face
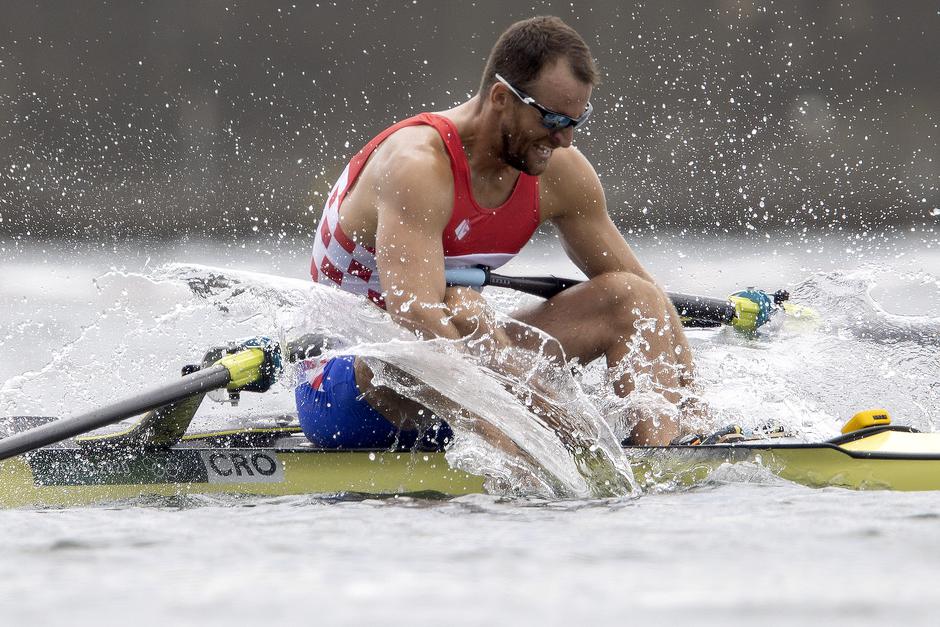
(526, 144)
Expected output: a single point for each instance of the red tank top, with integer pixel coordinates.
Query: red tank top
(474, 235)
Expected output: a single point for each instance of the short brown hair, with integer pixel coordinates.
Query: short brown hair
(526, 47)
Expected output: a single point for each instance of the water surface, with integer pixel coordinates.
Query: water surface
(84, 324)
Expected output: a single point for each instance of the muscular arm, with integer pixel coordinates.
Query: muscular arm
(414, 198)
(577, 207)
(591, 240)
(414, 205)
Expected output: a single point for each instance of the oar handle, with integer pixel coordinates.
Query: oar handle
(699, 308)
(211, 378)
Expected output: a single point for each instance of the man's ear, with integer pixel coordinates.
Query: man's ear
(498, 96)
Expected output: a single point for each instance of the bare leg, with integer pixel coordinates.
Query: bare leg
(473, 319)
(402, 412)
(587, 321)
(598, 318)
(407, 414)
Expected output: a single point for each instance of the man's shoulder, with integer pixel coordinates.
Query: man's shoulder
(413, 146)
(412, 163)
(569, 182)
(565, 163)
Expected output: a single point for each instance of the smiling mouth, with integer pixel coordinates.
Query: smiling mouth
(543, 151)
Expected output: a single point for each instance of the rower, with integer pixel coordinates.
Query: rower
(470, 185)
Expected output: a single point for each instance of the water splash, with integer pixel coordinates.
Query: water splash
(138, 328)
(812, 379)
(147, 324)
(562, 445)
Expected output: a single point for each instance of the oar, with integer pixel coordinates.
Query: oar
(233, 371)
(742, 312)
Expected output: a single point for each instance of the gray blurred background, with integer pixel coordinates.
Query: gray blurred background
(231, 119)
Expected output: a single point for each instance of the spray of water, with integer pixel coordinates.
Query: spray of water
(564, 428)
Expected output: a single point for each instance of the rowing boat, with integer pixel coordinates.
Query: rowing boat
(54, 462)
(272, 459)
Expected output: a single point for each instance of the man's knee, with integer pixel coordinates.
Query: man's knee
(627, 296)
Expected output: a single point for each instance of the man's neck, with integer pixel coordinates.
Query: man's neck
(481, 140)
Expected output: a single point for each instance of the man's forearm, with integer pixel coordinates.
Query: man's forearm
(427, 320)
(463, 313)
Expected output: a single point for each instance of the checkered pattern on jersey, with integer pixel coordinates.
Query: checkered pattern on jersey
(337, 259)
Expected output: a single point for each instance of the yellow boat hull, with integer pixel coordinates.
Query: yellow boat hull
(282, 463)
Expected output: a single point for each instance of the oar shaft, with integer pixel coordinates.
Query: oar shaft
(544, 286)
(695, 307)
(211, 378)
(702, 308)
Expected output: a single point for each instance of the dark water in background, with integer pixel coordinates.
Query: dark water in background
(230, 119)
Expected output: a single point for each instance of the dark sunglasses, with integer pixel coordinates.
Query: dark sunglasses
(552, 120)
